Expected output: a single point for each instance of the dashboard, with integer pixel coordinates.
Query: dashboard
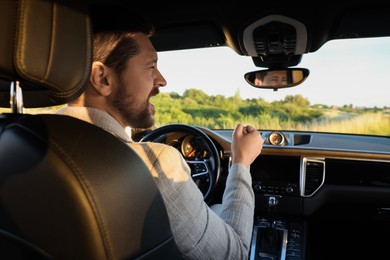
(299, 165)
(303, 164)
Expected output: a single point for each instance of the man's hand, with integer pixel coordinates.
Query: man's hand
(246, 145)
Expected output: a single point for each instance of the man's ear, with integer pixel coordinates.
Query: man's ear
(101, 78)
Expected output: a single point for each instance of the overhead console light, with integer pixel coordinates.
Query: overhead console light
(275, 38)
(275, 35)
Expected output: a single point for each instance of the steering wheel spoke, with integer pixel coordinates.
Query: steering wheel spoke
(199, 169)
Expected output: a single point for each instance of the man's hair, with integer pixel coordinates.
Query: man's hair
(113, 29)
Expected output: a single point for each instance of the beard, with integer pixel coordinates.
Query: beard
(137, 113)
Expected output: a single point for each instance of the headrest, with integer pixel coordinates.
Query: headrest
(46, 45)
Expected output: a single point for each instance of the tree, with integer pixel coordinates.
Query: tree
(196, 94)
(298, 100)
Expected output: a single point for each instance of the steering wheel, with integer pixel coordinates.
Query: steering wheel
(205, 170)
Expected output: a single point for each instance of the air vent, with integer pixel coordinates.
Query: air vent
(312, 175)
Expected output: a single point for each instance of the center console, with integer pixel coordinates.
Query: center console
(277, 240)
(279, 230)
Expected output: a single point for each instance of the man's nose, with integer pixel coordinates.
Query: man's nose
(161, 82)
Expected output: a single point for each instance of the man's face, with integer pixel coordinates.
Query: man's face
(136, 85)
(275, 78)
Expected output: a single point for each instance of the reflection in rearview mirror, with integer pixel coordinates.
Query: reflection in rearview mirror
(275, 79)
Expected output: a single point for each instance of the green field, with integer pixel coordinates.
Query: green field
(195, 107)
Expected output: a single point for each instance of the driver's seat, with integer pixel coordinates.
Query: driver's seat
(68, 189)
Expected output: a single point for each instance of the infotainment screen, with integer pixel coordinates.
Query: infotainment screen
(278, 169)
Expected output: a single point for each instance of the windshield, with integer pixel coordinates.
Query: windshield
(347, 91)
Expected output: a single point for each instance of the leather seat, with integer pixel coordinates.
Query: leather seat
(68, 189)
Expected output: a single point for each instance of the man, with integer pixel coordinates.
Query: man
(124, 77)
(272, 78)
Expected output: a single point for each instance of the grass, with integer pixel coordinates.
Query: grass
(371, 123)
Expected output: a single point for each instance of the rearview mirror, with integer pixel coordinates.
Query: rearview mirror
(277, 78)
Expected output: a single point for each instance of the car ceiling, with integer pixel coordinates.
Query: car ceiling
(200, 24)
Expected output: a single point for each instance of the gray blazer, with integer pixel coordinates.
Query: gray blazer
(221, 231)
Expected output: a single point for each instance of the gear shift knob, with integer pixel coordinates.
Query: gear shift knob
(272, 202)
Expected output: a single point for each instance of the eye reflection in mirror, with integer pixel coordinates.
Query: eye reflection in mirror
(277, 78)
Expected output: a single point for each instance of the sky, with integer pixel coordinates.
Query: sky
(220, 71)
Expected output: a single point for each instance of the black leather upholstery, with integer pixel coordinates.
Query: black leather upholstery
(78, 194)
(46, 46)
(68, 189)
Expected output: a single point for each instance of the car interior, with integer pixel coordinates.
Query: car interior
(317, 195)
